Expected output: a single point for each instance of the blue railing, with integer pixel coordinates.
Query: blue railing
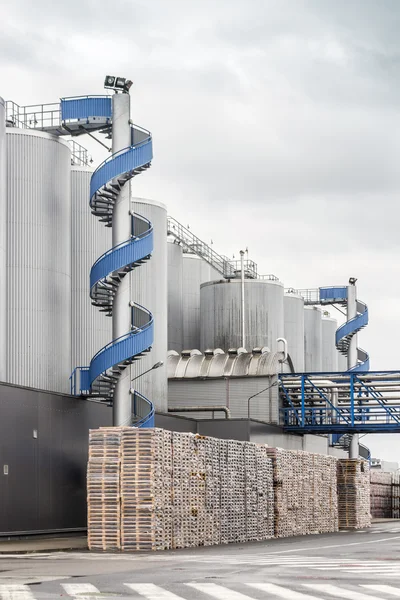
(86, 107)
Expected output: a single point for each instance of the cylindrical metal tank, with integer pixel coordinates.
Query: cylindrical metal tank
(221, 318)
(38, 260)
(329, 352)
(175, 299)
(3, 248)
(312, 339)
(342, 362)
(293, 308)
(149, 288)
(195, 272)
(91, 330)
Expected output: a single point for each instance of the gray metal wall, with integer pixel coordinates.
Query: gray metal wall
(91, 329)
(195, 272)
(312, 339)
(329, 352)
(294, 329)
(342, 362)
(149, 288)
(38, 260)
(220, 314)
(175, 282)
(3, 247)
(45, 488)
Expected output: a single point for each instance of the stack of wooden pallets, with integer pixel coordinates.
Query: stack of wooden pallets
(305, 494)
(381, 494)
(395, 495)
(354, 494)
(103, 489)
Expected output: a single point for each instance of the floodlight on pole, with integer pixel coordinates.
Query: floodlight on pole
(157, 365)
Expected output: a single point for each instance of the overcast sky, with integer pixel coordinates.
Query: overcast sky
(275, 124)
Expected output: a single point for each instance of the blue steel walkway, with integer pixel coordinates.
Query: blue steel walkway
(351, 402)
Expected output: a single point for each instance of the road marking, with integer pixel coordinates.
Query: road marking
(280, 592)
(80, 590)
(14, 591)
(340, 592)
(319, 548)
(152, 592)
(218, 591)
(384, 589)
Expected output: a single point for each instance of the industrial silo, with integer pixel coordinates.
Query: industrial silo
(3, 248)
(38, 260)
(175, 278)
(195, 272)
(221, 314)
(293, 308)
(149, 289)
(91, 330)
(312, 339)
(342, 362)
(329, 352)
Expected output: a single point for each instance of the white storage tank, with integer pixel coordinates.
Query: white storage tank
(3, 248)
(220, 314)
(149, 288)
(195, 272)
(342, 362)
(175, 279)
(312, 339)
(329, 352)
(91, 329)
(38, 260)
(293, 307)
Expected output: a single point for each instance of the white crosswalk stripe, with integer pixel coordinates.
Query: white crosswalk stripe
(278, 591)
(339, 592)
(218, 591)
(383, 589)
(152, 592)
(80, 591)
(13, 591)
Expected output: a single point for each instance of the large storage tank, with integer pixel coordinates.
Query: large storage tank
(329, 352)
(293, 308)
(3, 249)
(38, 260)
(175, 279)
(195, 272)
(312, 339)
(149, 288)
(91, 329)
(342, 362)
(220, 314)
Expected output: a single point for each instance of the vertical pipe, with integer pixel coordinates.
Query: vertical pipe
(121, 232)
(3, 234)
(242, 298)
(352, 360)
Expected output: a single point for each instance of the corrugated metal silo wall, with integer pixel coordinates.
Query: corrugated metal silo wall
(44, 443)
(195, 272)
(294, 329)
(329, 352)
(175, 282)
(38, 260)
(149, 288)
(220, 314)
(342, 362)
(312, 339)
(3, 238)
(91, 329)
(230, 392)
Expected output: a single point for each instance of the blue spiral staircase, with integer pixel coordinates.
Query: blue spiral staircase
(99, 379)
(345, 333)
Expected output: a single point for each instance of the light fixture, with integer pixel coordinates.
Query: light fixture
(119, 84)
(158, 364)
(352, 280)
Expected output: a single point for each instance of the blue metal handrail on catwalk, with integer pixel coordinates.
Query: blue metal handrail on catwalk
(351, 402)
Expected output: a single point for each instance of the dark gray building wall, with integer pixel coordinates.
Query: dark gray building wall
(45, 488)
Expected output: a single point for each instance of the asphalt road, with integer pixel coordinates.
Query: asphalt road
(355, 565)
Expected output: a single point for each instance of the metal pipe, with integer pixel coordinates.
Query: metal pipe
(352, 353)
(202, 409)
(242, 298)
(121, 232)
(285, 345)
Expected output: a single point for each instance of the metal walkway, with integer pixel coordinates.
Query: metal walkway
(346, 403)
(77, 116)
